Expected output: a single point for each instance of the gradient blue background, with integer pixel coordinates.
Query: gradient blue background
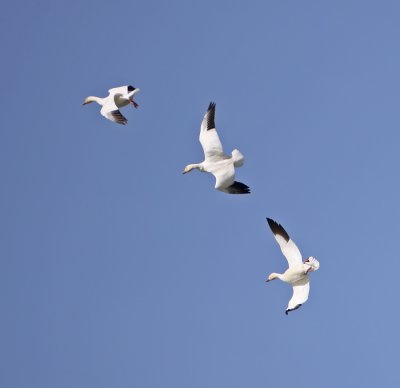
(118, 271)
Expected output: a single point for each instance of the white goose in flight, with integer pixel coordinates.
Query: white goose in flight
(216, 162)
(297, 273)
(117, 98)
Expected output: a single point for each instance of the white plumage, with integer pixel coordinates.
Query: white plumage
(297, 273)
(216, 162)
(116, 99)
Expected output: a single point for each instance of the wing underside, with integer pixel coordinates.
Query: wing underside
(209, 138)
(117, 117)
(287, 245)
(111, 112)
(301, 290)
(119, 90)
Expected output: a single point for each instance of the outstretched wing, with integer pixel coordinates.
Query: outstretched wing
(301, 290)
(287, 245)
(111, 112)
(209, 138)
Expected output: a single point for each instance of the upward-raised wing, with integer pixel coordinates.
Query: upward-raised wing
(209, 138)
(122, 90)
(301, 290)
(287, 245)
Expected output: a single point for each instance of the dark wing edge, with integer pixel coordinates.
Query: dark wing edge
(294, 308)
(278, 229)
(238, 188)
(118, 117)
(131, 88)
(210, 116)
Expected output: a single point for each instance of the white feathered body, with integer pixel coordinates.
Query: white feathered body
(223, 168)
(294, 274)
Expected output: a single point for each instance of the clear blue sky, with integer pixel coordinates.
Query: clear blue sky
(118, 271)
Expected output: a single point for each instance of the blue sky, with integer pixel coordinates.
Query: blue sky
(117, 270)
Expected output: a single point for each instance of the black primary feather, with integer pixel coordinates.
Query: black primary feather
(295, 308)
(119, 118)
(278, 229)
(238, 188)
(211, 116)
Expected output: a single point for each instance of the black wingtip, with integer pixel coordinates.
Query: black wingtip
(294, 308)
(211, 116)
(272, 224)
(278, 229)
(238, 188)
(131, 88)
(118, 117)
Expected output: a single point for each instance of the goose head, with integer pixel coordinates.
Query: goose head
(312, 263)
(187, 169)
(90, 99)
(272, 276)
(190, 167)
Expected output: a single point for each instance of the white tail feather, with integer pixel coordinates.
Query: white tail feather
(238, 158)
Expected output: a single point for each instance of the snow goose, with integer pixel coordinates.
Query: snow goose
(297, 273)
(216, 162)
(117, 98)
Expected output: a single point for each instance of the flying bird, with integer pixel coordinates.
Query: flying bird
(116, 99)
(297, 273)
(221, 165)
